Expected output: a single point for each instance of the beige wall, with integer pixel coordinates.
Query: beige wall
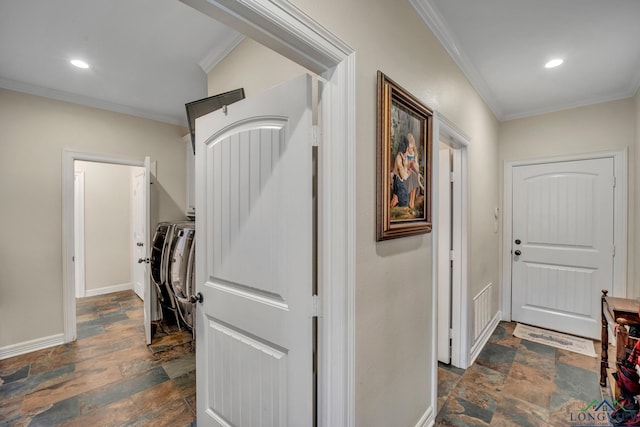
(232, 73)
(609, 126)
(599, 127)
(33, 133)
(107, 223)
(393, 278)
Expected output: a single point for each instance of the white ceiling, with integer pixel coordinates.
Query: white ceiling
(150, 57)
(502, 46)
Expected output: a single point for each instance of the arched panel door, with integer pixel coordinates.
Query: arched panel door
(254, 260)
(562, 253)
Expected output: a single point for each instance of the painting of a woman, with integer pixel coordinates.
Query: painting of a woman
(407, 201)
(403, 199)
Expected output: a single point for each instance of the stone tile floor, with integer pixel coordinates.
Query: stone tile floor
(108, 377)
(515, 382)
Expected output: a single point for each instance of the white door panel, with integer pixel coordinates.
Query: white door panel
(139, 250)
(147, 245)
(444, 263)
(563, 216)
(254, 261)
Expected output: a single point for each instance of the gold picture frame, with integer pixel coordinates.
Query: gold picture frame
(404, 162)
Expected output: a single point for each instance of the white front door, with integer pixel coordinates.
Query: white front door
(562, 249)
(254, 261)
(139, 237)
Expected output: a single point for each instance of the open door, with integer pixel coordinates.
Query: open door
(444, 255)
(254, 260)
(146, 242)
(139, 250)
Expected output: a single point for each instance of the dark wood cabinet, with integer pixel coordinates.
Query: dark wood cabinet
(622, 311)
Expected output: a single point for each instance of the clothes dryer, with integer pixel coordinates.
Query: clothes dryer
(180, 269)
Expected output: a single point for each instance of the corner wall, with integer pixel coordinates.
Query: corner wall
(394, 354)
(34, 131)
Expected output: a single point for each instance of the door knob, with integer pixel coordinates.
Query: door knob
(139, 244)
(517, 253)
(141, 260)
(196, 298)
(518, 241)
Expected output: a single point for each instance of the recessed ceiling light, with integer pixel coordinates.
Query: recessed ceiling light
(553, 63)
(79, 63)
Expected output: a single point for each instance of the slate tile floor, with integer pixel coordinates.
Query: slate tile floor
(108, 377)
(515, 382)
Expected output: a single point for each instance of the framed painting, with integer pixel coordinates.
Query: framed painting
(404, 163)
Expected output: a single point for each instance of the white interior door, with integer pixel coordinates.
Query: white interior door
(139, 249)
(142, 239)
(562, 253)
(147, 246)
(444, 261)
(254, 261)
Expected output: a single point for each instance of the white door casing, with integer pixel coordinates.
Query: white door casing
(563, 231)
(139, 249)
(448, 133)
(444, 251)
(254, 260)
(68, 232)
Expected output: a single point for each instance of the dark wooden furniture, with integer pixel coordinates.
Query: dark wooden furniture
(622, 311)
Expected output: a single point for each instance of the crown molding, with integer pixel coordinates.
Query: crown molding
(87, 101)
(252, 17)
(222, 48)
(436, 23)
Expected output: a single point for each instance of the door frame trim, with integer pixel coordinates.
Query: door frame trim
(68, 225)
(282, 27)
(620, 218)
(78, 233)
(449, 133)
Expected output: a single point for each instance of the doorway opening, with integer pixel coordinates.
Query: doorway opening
(105, 220)
(106, 217)
(99, 217)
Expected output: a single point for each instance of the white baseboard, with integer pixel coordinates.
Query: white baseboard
(29, 346)
(107, 290)
(427, 419)
(484, 337)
